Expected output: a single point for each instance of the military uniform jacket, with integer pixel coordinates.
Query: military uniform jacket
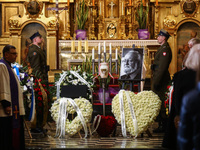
(163, 56)
(37, 59)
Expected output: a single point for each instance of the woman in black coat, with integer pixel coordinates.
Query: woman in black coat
(184, 81)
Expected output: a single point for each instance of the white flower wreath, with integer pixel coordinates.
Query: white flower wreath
(146, 106)
(74, 126)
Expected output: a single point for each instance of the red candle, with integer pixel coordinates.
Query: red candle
(156, 2)
(92, 2)
(67, 2)
(129, 2)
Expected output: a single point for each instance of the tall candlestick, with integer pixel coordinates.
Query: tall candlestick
(93, 53)
(86, 46)
(100, 9)
(67, 2)
(79, 46)
(72, 46)
(129, 2)
(92, 2)
(156, 2)
(116, 55)
(104, 43)
(122, 8)
(110, 45)
(99, 48)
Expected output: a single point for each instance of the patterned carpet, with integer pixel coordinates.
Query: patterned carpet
(49, 142)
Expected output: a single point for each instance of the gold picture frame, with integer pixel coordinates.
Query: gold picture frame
(33, 8)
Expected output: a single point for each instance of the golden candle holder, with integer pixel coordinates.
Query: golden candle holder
(92, 33)
(129, 17)
(100, 27)
(66, 35)
(122, 27)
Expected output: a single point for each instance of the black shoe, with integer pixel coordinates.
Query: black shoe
(160, 129)
(36, 130)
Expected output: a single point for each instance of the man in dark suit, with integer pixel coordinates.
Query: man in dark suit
(161, 76)
(37, 59)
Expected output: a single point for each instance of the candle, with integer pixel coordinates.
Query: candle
(93, 53)
(72, 46)
(122, 8)
(86, 46)
(92, 2)
(99, 48)
(116, 55)
(110, 48)
(100, 9)
(129, 2)
(79, 46)
(67, 2)
(104, 43)
(143, 2)
(156, 2)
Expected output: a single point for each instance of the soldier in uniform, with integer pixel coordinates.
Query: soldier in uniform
(37, 56)
(37, 59)
(161, 76)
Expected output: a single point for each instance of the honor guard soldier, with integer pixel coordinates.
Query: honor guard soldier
(161, 76)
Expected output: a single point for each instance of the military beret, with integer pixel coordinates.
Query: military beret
(164, 33)
(35, 35)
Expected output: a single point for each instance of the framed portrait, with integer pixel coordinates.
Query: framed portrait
(111, 28)
(131, 63)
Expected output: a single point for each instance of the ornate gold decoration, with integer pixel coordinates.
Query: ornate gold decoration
(51, 24)
(93, 14)
(129, 18)
(169, 22)
(189, 7)
(14, 23)
(33, 8)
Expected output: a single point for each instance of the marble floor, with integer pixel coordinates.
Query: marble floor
(49, 142)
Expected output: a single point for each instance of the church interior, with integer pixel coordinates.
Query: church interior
(98, 32)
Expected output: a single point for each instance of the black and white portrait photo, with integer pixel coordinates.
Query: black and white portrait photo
(131, 63)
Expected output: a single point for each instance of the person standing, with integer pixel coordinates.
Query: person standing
(189, 124)
(37, 59)
(11, 104)
(161, 76)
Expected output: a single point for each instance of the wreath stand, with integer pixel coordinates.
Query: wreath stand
(131, 83)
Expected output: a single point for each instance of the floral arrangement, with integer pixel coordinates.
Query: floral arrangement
(146, 106)
(27, 92)
(70, 79)
(168, 100)
(74, 126)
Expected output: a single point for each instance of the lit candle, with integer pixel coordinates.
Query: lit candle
(93, 53)
(72, 46)
(110, 48)
(99, 48)
(129, 2)
(92, 2)
(116, 55)
(100, 9)
(104, 46)
(79, 46)
(122, 8)
(86, 46)
(67, 2)
(156, 2)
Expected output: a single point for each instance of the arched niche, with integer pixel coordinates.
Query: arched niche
(27, 31)
(185, 32)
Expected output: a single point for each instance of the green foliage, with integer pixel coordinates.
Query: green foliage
(141, 16)
(82, 14)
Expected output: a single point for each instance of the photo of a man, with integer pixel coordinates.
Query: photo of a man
(131, 63)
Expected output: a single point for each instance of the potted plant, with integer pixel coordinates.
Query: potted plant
(141, 17)
(81, 17)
